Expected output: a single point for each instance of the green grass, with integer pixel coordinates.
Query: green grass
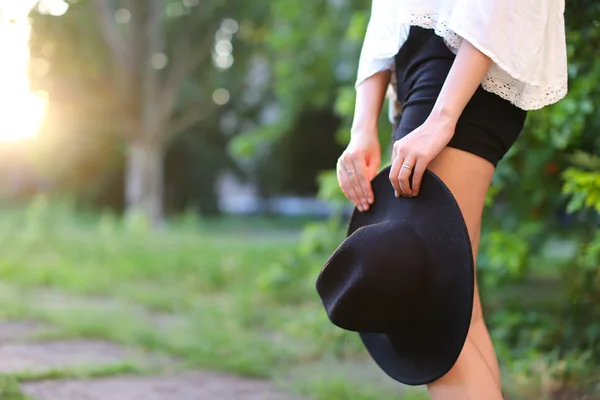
(219, 295)
(10, 383)
(10, 389)
(339, 388)
(80, 372)
(224, 295)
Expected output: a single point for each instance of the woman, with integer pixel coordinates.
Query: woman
(466, 72)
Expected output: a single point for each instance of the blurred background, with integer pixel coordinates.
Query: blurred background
(167, 185)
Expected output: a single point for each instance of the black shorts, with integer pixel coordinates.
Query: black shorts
(488, 126)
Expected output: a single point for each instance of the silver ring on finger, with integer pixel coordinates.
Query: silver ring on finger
(408, 167)
(350, 172)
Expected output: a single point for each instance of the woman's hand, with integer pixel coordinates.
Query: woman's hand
(412, 154)
(415, 151)
(357, 166)
(359, 163)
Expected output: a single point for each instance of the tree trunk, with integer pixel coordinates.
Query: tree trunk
(144, 183)
(151, 94)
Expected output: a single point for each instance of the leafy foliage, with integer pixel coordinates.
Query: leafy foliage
(539, 264)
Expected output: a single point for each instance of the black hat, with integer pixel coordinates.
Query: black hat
(404, 280)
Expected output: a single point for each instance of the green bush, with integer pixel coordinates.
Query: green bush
(539, 262)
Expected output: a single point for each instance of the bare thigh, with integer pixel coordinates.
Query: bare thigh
(468, 177)
(475, 374)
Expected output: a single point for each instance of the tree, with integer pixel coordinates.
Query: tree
(147, 71)
(97, 84)
(149, 77)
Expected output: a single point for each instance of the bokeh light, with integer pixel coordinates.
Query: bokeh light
(223, 51)
(52, 7)
(230, 25)
(122, 16)
(159, 60)
(221, 96)
(22, 110)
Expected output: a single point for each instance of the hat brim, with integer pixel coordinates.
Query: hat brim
(425, 352)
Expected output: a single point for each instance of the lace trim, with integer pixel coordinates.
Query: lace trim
(498, 80)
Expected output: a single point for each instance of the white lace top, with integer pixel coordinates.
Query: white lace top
(524, 38)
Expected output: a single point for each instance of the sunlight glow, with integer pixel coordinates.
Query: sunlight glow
(21, 111)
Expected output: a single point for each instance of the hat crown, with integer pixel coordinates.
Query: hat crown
(376, 280)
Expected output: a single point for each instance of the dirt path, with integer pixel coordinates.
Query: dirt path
(195, 386)
(22, 355)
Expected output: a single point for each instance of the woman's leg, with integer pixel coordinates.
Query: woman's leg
(475, 374)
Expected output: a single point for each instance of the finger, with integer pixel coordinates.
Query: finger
(353, 189)
(355, 182)
(343, 181)
(394, 171)
(394, 153)
(361, 182)
(357, 190)
(406, 169)
(417, 177)
(346, 184)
